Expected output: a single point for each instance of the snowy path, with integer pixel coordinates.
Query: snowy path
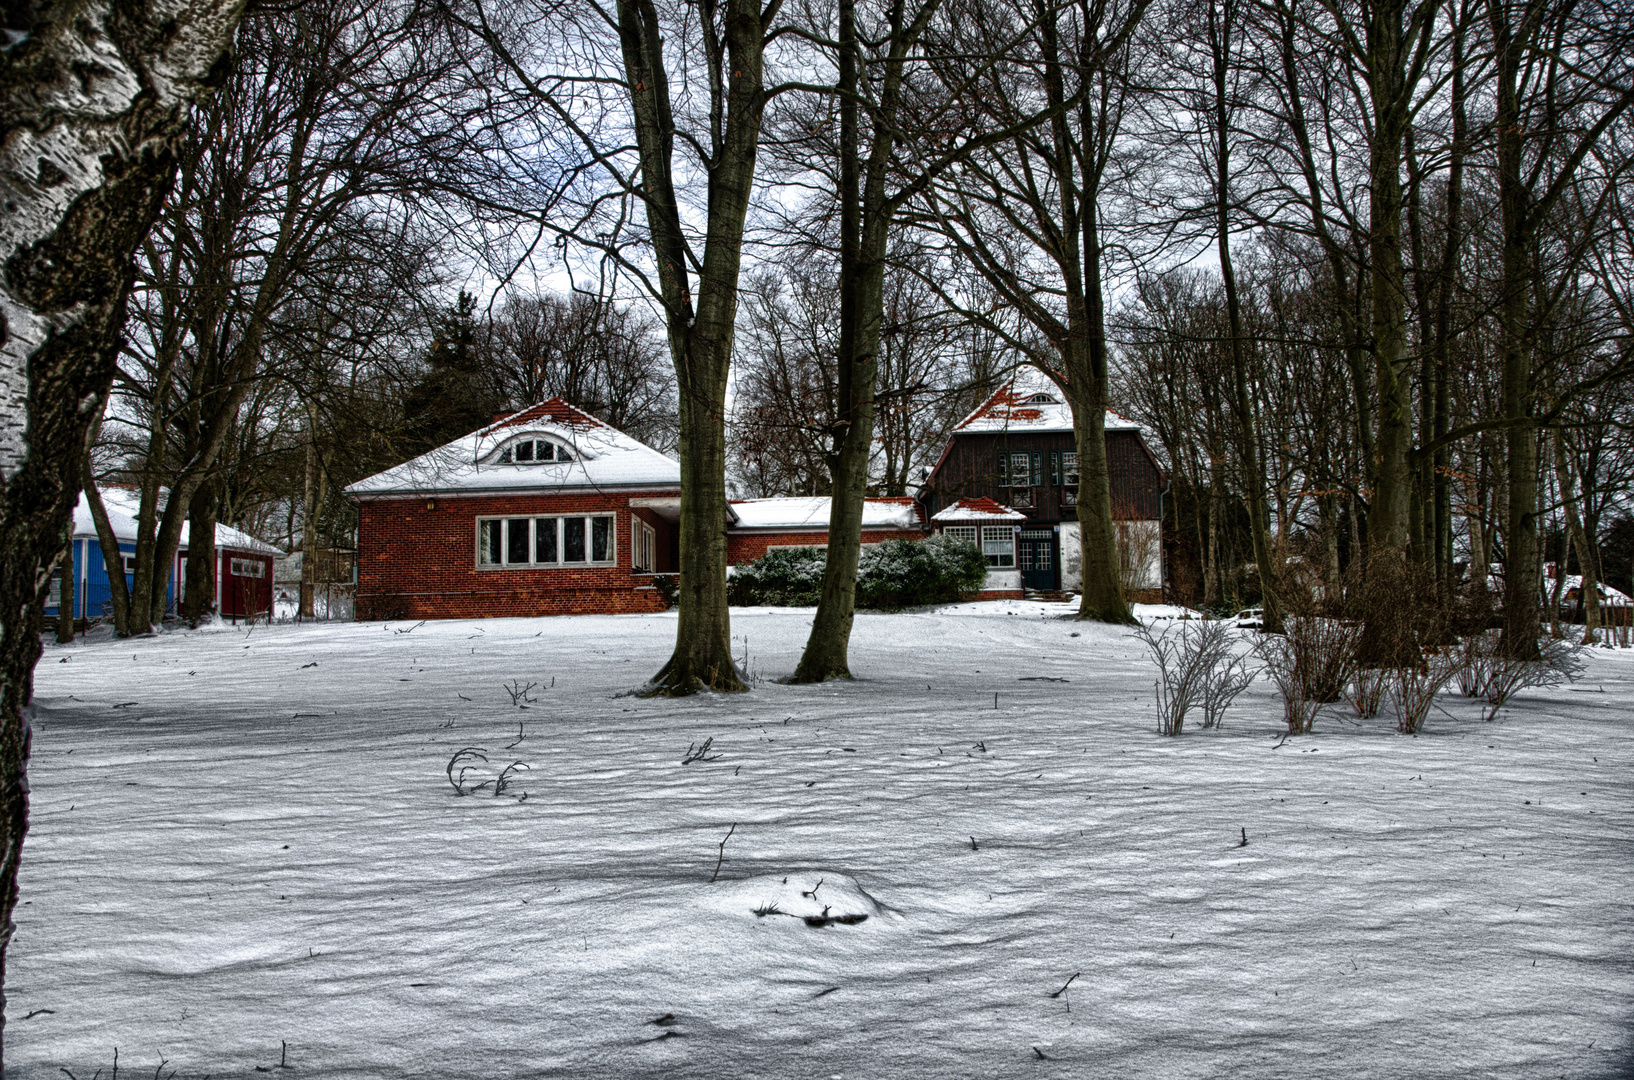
(233, 848)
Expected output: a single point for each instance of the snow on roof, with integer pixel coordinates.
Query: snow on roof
(982, 509)
(1030, 401)
(604, 458)
(122, 506)
(811, 512)
(1609, 596)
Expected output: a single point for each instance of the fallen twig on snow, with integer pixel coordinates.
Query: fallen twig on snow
(1066, 984)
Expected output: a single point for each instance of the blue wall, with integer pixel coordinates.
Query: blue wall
(92, 594)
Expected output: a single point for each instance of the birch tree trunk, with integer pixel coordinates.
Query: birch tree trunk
(93, 102)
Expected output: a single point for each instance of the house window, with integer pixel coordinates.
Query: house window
(546, 541)
(535, 452)
(644, 547)
(967, 533)
(248, 568)
(129, 562)
(999, 545)
(1041, 399)
(1064, 468)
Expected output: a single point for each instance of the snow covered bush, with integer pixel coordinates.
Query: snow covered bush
(783, 577)
(890, 575)
(1196, 668)
(905, 573)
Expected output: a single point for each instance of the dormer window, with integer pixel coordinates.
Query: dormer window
(1041, 399)
(535, 451)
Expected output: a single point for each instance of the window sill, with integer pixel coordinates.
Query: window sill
(482, 567)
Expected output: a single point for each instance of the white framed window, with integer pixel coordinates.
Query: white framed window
(558, 540)
(248, 568)
(535, 450)
(999, 545)
(643, 547)
(967, 533)
(129, 562)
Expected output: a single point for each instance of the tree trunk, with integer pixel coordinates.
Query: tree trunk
(700, 337)
(202, 515)
(309, 510)
(112, 561)
(1523, 584)
(1589, 590)
(1102, 598)
(92, 104)
(65, 588)
(1219, 29)
(1389, 515)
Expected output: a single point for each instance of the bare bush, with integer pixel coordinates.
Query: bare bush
(1196, 668)
(1366, 690)
(1480, 654)
(1558, 661)
(1413, 686)
(1227, 672)
(1310, 664)
(1180, 674)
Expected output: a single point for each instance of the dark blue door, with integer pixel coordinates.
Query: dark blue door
(1036, 555)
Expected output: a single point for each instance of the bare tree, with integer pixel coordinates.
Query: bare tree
(96, 101)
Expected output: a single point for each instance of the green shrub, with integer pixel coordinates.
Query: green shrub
(890, 575)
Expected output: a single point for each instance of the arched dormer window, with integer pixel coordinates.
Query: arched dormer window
(1041, 399)
(535, 450)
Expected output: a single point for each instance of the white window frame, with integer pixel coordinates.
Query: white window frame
(505, 455)
(643, 547)
(968, 533)
(999, 546)
(247, 568)
(533, 520)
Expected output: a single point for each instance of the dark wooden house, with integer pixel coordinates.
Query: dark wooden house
(1017, 449)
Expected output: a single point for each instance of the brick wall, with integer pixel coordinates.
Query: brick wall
(744, 548)
(420, 563)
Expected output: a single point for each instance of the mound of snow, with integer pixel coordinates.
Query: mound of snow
(817, 898)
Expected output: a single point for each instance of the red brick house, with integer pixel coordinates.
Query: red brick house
(1017, 450)
(547, 511)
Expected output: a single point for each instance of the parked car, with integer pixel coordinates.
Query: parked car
(1251, 619)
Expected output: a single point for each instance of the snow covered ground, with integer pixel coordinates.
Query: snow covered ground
(247, 839)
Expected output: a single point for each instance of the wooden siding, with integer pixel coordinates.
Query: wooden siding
(971, 470)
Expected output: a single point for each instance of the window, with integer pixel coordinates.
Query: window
(534, 452)
(1020, 469)
(248, 568)
(545, 541)
(643, 547)
(999, 545)
(1041, 399)
(1021, 496)
(1064, 467)
(130, 563)
(967, 533)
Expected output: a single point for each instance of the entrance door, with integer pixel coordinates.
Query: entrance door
(1035, 553)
